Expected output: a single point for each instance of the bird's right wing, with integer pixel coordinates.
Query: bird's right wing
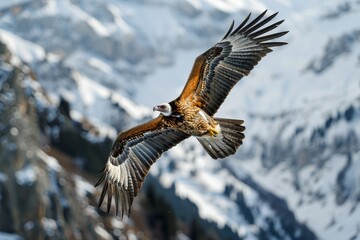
(131, 157)
(216, 71)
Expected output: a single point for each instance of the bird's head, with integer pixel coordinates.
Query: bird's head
(164, 108)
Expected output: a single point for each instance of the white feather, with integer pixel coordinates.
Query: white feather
(122, 175)
(113, 171)
(118, 174)
(202, 114)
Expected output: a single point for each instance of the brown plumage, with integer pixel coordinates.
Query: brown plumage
(213, 75)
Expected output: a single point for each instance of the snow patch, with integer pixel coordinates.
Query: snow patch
(26, 51)
(26, 176)
(90, 92)
(135, 111)
(101, 65)
(3, 177)
(51, 162)
(6, 4)
(50, 226)
(10, 236)
(83, 188)
(103, 233)
(119, 21)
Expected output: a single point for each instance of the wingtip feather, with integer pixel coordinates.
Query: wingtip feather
(249, 28)
(274, 44)
(230, 29)
(110, 193)
(253, 22)
(260, 24)
(101, 179)
(241, 25)
(117, 201)
(270, 37)
(103, 193)
(266, 29)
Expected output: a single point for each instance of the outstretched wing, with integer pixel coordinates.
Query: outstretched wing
(216, 71)
(131, 157)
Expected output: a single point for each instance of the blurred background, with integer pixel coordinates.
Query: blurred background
(73, 73)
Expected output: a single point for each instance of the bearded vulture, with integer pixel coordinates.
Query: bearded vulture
(214, 74)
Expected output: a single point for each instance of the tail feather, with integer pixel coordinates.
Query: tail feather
(227, 141)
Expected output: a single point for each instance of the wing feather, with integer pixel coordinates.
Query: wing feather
(216, 71)
(267, 29)
(131, 157)
(242, 24)
(230, 29)
(252, 23)
(271, 36)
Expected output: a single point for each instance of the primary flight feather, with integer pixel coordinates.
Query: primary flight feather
(214, 74)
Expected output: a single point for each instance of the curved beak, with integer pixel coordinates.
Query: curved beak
(164, 108)
(157, 108)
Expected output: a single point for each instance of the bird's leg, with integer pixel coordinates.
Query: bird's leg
(213, 132)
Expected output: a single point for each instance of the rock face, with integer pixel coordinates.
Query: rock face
(39, 198)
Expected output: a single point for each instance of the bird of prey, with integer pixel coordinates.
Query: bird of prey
(214, 74)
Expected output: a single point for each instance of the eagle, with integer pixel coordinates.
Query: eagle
(214, 74)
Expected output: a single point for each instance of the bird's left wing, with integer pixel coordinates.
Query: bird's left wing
(216, 71)
(131, 157)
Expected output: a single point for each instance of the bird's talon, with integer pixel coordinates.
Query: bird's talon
(213, 132)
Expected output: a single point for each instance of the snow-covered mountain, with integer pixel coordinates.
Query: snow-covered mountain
(40, 198)
(297, 174)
